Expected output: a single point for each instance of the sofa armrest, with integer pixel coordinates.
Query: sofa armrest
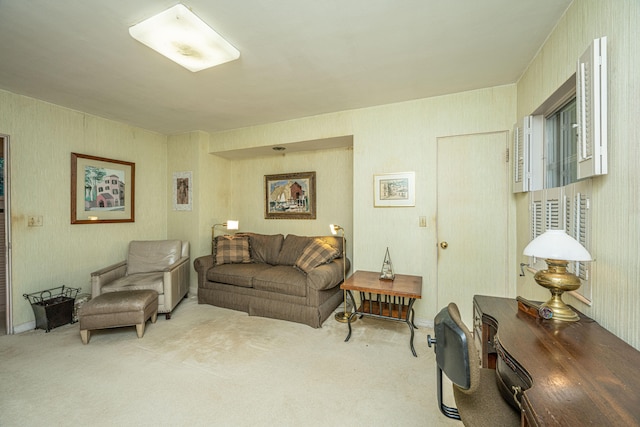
(105, 276)
(202, 265)
(327, 276)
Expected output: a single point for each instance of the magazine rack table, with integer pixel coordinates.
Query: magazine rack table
(384, 299)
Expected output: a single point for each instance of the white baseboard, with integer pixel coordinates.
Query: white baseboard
(24, 327)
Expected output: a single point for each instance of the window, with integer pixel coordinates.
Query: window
(557, 148)
(543, 153)
(561, 147)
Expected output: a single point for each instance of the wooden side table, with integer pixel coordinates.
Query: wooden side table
(385, 299)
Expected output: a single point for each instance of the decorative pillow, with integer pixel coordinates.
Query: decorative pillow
(316, 253)
(232, 250)
(291, 249)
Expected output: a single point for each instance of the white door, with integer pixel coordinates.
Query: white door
(472, 219)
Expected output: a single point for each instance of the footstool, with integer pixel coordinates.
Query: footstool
(116, 309)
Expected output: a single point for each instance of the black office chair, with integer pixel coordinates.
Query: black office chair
(474, 388)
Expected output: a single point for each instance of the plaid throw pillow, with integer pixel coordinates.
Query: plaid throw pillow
(232, 250)
(316, 253)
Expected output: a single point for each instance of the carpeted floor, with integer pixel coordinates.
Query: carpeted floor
(212, 366)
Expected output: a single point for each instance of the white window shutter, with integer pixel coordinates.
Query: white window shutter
(553, 209)
(534, 137)
(536, 220)
(591, 97)
(536, 213)
(582, 224)
(577, 198)
(520, 161)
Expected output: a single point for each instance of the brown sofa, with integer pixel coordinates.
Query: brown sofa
(295, 278)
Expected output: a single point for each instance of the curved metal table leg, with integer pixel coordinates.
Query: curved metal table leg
(409, 321)
(353, 302)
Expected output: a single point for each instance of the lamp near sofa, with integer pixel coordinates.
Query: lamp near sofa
(343, 316)
(229, 225)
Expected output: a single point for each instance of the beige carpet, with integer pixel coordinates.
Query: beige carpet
(212, 366)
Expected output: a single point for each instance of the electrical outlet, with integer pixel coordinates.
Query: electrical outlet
(34, 221)
(422, 221)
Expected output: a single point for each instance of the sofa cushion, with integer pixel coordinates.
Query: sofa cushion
(265, 248)
(232, 250)
(292, 247)
(316, 253)
(281, 279)
(152, 255)
(236, 274)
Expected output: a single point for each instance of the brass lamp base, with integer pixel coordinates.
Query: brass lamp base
(561, 311)
(558, 280)
(343, 317)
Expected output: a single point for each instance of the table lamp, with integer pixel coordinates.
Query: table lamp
(343, 316)
(557, 248)
(229, 225)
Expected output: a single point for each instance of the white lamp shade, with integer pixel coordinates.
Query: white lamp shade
(557, 244)
(232, 224)
(184, 38)
(334, 228)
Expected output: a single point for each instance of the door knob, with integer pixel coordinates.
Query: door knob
(444, 245)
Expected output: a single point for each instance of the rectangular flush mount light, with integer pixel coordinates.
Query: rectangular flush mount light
(184, 38)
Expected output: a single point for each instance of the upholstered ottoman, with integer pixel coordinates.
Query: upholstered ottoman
(116, 309)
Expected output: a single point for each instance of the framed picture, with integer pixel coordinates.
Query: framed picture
(102, 190)
(182, 191)
(290, 196)
(394, 189)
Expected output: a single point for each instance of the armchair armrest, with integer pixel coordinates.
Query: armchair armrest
(176, 264)
(105, 276)
(176, 281)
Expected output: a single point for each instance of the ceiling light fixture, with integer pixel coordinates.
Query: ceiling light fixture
(185, 39)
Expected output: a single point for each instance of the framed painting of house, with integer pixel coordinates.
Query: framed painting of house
(102, 190)
(290, 196)
(394, 189)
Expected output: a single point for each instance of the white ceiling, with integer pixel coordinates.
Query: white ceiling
(298, 57)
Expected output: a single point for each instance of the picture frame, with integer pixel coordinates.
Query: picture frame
(394, 189)
(94, 200)
(290, 196)
(182, 191)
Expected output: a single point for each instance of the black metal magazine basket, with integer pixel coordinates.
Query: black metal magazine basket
(53, 307)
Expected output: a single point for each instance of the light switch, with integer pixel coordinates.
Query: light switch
(422, 221)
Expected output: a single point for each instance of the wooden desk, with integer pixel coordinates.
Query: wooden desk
(572, 374)
(385, 299)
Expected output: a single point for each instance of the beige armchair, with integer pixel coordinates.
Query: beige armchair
(160, 265)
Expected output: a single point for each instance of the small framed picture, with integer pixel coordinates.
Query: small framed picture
(182, 192)
(394, 189)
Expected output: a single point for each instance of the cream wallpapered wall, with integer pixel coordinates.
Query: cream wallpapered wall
(392, 138)
(616, 196)
(211, 193)
(42, 137)
(334, 192)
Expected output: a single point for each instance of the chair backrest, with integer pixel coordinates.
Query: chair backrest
(455, 349)
(152, 255)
